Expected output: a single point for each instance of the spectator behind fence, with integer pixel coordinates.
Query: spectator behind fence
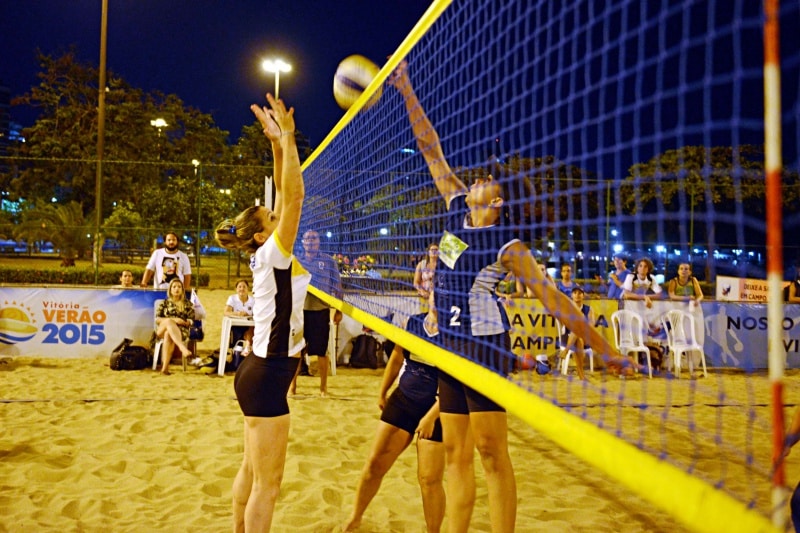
(616, 279)
(520, 290)
(642, 285)
(565, 284)
(168, 263)
(685, 287)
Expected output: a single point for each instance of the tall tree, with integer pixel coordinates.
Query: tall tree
(64, 225)
(58, 159)
(698, 183)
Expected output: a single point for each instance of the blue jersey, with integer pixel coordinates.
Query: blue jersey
(615, 292)
(419, 381)
(324, 276)
(465, 282)
(567, 290)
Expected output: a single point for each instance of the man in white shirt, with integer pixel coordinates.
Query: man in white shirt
(168, 263)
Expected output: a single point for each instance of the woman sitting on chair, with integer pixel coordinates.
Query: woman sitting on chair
(240, 305)
(174, 317)
(574, 342)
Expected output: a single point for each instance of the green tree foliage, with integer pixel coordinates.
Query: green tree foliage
(720, 175)
(146, 166)
(683, 185)
(125, 226)
(64, 225)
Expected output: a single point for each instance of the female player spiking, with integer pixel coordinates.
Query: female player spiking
(476, 251)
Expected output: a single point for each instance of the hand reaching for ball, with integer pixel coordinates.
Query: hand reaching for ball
(276, 119)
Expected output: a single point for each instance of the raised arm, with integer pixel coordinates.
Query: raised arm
(448, 184)
(278, 123)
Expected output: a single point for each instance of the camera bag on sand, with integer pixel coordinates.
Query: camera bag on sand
(128, 357)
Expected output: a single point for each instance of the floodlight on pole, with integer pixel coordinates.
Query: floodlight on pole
(276, 66)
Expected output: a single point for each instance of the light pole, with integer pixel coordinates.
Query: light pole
(197, 166)
(101, 133)
(276, 66)
(159, 123)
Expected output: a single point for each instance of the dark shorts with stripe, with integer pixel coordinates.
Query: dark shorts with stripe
(316, 330)
(261, 385)
(403, 413)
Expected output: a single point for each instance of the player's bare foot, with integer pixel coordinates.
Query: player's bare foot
(350, 525)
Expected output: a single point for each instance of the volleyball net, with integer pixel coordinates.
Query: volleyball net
(637, 129)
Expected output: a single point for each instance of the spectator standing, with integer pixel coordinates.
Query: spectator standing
(685, 287)
(616, 279)
(642, 285)
(575, 343)
(316, 313)
(565, 284)
(426, 269)
(168, 263)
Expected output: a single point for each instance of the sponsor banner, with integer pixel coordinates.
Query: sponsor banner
(534, 331)
(742, 289)
(60, 322)
(733, 335)
(736, 335)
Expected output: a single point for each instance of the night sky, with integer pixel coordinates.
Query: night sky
(208, 52)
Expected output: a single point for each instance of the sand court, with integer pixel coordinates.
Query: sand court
(84, 448)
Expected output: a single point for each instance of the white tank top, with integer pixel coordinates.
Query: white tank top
(279, 288)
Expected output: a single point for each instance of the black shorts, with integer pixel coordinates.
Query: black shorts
(458, 399)
(316, 330)
(492, 351)
(261, 385)
(402, 413)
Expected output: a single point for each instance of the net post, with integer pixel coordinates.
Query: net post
(773, 166)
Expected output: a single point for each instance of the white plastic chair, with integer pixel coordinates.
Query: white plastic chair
(629, 334)
(159, 342)
(564, 365)
(680, 328)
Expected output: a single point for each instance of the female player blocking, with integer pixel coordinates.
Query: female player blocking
(279, 290)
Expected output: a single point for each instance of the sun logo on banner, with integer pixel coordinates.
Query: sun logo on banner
(15, 324)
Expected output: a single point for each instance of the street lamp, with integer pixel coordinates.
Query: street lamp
(197, 166)
(159, 123)
(276, 66)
